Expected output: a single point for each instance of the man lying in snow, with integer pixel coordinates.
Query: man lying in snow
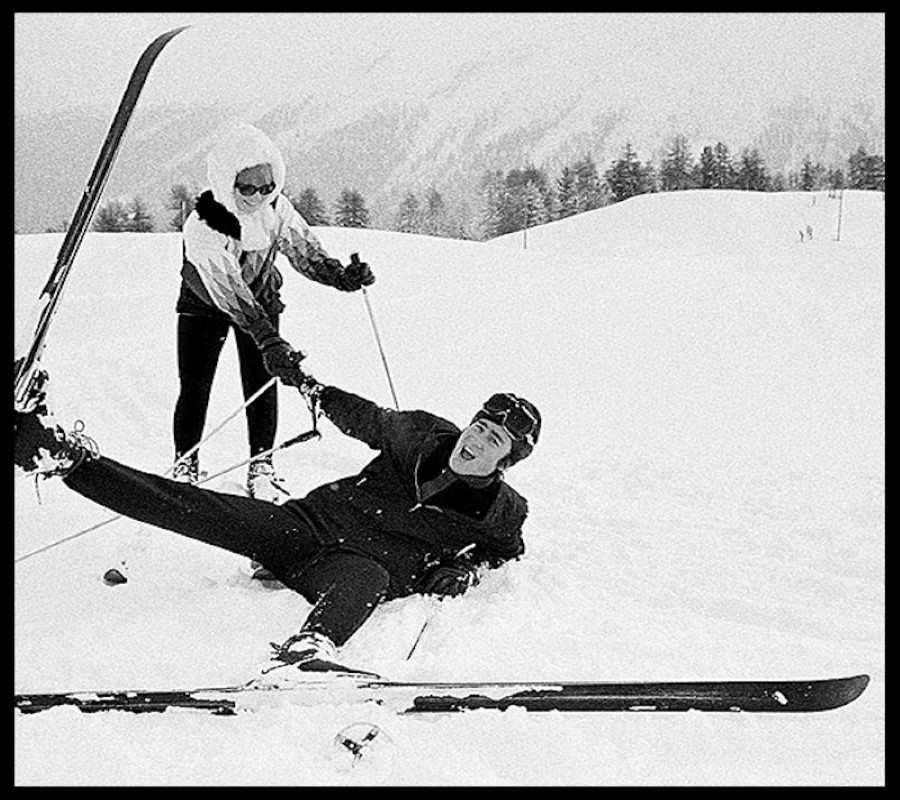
(396, 528)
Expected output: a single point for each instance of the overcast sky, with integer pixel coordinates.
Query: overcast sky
(63, 59)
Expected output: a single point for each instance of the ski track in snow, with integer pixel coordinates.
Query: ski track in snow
(706, 502)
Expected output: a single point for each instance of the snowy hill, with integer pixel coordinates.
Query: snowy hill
(707, 499)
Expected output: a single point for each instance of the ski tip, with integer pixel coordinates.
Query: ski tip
(162, 40)
(860, 682)
(175, 31)
(845, 690)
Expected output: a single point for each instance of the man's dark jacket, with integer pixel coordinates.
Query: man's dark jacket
(378, 513)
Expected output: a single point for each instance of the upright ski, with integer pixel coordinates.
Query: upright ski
(764, 696)
(26, 364)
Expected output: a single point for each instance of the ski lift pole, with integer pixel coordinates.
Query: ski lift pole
(837, 238)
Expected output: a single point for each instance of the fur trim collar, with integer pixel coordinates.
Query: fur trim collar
(216, 216)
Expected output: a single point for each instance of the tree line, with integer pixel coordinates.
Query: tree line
(527, 196)
(522, 198)
(120, 216)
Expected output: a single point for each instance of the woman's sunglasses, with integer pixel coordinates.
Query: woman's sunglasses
(248, 189)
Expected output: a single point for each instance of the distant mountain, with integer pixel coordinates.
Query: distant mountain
(395, 133)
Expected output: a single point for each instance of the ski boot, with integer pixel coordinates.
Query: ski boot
(41, 447)
(187, 470)
(302, 654)
(262, 483)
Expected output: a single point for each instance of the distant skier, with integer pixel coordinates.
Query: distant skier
(421, 517)
(230, 282)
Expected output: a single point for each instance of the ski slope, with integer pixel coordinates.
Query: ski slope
(707, 500)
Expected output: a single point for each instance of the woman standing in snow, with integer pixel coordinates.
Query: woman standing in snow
(230, 282)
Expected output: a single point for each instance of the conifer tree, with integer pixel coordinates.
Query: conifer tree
(835, 179)
(627, 177)
(138, 217)
(112, 217)
(311, 208)
(350, 210)
(534, 205)
(865, 171)
(409, 215)
(588, 186)
(512, 205)
(812, 175)
(492, 190)
(566, 195)
(752, 174)
(705, 170)
(724, 175)
(676, 171)
(434, 215)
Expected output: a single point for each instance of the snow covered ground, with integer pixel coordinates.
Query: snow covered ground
(707, 500)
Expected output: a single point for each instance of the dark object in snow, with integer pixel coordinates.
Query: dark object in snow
(112, 577)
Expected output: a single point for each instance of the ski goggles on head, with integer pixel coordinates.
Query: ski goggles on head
(511, 412)
(248, 189)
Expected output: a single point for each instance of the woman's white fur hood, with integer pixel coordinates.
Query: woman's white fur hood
(240, 147)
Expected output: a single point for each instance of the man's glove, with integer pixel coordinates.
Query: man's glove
(279, 358)
(449, 580)
(309, 387)
(355, 275)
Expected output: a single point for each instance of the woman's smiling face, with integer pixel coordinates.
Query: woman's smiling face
(257, 177)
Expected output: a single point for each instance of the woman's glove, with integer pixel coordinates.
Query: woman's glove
(279, 358)
(355, 275)
(282, 361)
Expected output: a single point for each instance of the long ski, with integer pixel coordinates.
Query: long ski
(762, 696)
(26, 364)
